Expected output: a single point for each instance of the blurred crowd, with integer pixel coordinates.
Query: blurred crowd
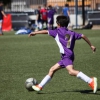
(45, 16)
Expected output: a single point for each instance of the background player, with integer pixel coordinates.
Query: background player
(38, 19)
(51, 13)
(1, 16)
(65, 10)
(43, 12)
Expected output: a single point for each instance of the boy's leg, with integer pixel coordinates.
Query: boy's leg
(91, 81)
(47, 78)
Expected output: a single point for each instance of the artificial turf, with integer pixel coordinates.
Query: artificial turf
(22, 57)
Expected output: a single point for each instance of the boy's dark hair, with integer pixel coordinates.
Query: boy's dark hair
(63, 21)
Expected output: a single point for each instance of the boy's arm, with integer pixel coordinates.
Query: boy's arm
(38, 32)
(87, 40)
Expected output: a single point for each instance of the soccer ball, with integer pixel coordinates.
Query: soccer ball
(29, 83)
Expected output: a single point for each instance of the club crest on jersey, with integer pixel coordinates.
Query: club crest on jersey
(67, 36)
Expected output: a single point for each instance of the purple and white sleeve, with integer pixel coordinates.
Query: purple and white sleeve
(78, 35)
(52, 33)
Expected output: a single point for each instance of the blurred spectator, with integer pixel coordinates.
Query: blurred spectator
(65, 10)
(44, 16)
(38, 18)
(1, 16)
(51, 13)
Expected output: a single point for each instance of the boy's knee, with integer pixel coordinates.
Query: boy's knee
(70, 73)
(73, 72)
(51, 69)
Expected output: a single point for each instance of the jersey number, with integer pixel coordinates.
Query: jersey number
(68, 41)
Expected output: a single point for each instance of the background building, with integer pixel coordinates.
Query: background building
(29, 5)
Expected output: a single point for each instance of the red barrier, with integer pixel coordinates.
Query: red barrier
(7, 24)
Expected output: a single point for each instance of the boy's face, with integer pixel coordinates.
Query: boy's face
(58, 25)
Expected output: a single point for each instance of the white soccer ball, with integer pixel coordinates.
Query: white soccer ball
(29, 83)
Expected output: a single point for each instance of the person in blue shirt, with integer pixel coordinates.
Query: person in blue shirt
(1, 16)
(65, 10)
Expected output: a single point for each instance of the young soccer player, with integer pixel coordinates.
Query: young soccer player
(66, 42)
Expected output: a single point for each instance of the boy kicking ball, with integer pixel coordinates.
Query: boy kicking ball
(66, 41)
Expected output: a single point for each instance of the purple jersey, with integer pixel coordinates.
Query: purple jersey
(51, 13)
(66, 40)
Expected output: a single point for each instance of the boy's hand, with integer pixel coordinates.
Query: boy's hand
(93, 48)
(31, 34)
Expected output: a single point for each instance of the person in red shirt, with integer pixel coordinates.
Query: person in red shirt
(43, 12)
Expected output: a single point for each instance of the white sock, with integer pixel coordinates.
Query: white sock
(45, 80)
(84, 77)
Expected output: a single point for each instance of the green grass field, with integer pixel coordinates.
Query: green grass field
(22, 57)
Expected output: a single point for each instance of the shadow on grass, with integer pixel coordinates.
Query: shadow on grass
(81, 91)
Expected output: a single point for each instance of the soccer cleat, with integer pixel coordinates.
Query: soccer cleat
(93, 84)
(37, 88)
